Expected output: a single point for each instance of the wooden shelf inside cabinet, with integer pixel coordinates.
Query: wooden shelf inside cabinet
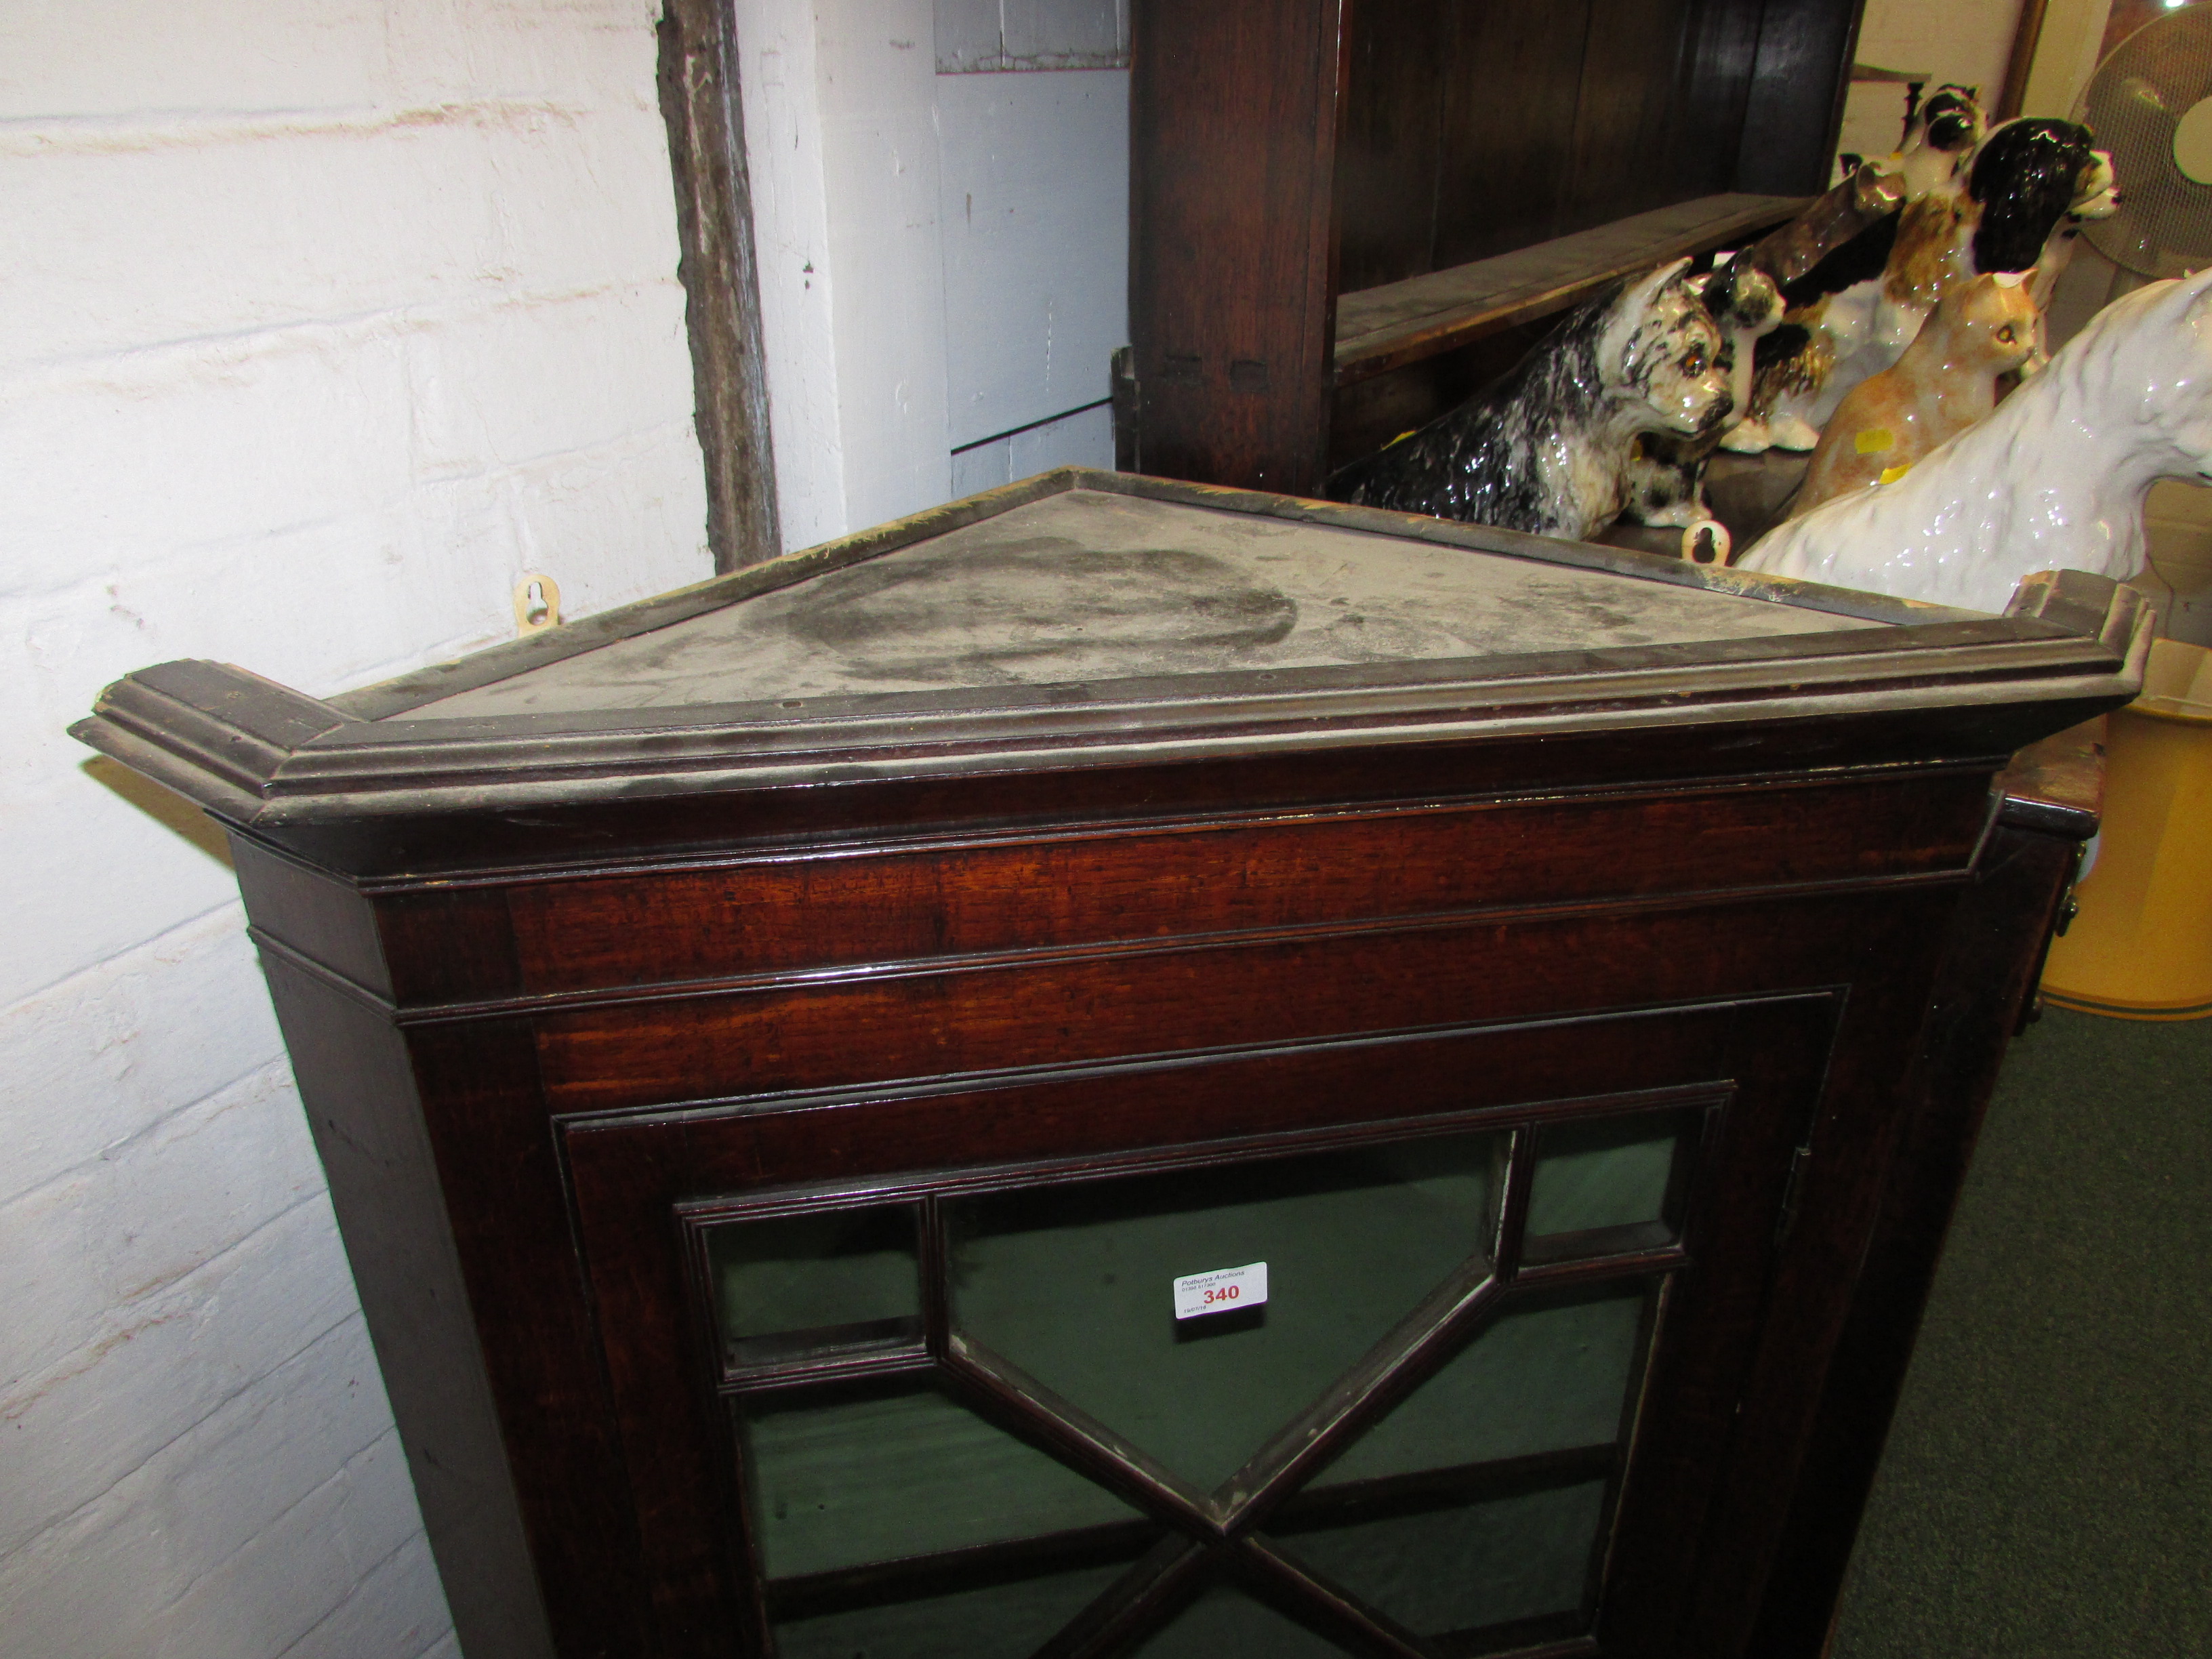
(1380, 329)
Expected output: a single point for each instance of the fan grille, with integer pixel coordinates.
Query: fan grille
(2135, 100)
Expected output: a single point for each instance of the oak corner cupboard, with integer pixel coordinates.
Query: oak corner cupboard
(1126, 1068)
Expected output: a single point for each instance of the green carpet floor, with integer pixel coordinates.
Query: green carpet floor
(2047, 1487)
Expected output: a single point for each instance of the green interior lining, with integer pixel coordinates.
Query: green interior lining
(1073, 1285)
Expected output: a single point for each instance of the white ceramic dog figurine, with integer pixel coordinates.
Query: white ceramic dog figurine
(1545, 448)
(2054, 480)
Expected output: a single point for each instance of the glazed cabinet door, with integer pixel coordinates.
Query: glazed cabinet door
(1418, 1344)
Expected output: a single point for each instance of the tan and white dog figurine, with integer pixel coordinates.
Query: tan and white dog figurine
(1946, 381)
(1832, 304)
(2054, 480)
(2030, 183)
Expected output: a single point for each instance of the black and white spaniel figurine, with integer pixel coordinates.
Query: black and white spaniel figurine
(1546, 447)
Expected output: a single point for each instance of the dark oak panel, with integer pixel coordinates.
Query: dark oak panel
(399, 1228)
(1632, 75)
(1505, 153)
(1987, 978)
(1794, 102)
(1232, 362)
(1386, 155)
(325, 920)
(956, 900)
(1059, 1012)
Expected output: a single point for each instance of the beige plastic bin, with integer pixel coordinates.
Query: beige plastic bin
(2141, 946)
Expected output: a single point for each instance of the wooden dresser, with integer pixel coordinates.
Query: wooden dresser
(1347, 215)
(1121, 1067)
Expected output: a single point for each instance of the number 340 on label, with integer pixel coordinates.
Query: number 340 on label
(1222, 1291)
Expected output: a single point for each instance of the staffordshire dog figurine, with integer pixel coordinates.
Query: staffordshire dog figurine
(2023, 186)
(1545, 448)
(1945, 382)
(1831, 303)
(1666, 470)
(2054, 480)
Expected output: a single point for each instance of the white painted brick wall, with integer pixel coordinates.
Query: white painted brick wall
(320, 322)
(842, 153)
(943, 257)
(1036, 230)
(993, 35)
(1083, 439)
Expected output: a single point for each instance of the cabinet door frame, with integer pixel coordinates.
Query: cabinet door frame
(642, 1183)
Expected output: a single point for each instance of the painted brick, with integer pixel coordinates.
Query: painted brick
(59, 922)
(255, 230)
(124, 58)
(251, 231)
(390, 1612)
(649, 481)
(600, 52)
(116, 1231)
(191, 446)
(127, 1578)
(325, 320)
(95, 1060)
(298, 477)
(1034, 198)
(521, 382)
(277, 1587)
(109, 1412)
(224, 1479)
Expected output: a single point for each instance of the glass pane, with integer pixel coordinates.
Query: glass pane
(1497, 1560)
(883, 1473)
(999, 1621)
(1075, 1285)
(822, 1282)
(1542, 1376)
(1226, 1624)
(1617, 1172)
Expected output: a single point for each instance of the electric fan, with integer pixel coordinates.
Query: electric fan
(2150, 104)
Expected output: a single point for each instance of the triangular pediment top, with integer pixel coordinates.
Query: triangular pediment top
(1088, 620)
(1086, 585)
